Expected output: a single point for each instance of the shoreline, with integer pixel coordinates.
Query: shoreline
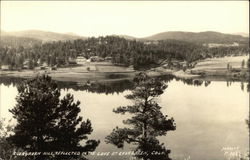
(210, 67)
(68, 75)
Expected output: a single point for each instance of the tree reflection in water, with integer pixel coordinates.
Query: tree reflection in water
(119, 86)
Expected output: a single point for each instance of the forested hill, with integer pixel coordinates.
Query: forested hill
(43, 36)
(121, 51)
(202, 37)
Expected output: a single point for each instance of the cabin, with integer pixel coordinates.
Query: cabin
(37, 68)
(175, 63)
(53, 68)
(184, 64)
(72, 61)
(108, 58)
(26, 64)
(96, 59)
(81, 60)
(45, 64)
(5, 67)
(42, 68)
(166, 66)
(38, 62)
(151, 42)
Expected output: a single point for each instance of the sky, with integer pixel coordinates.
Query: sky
(134, 18)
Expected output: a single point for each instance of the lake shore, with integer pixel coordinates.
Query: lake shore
(116, 76)
(206, 68)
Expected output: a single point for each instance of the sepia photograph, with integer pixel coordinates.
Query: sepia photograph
(124, 80)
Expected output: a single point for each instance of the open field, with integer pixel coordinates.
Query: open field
(219, 67)
(221, 63)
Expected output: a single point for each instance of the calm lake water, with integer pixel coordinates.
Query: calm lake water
(210, 116)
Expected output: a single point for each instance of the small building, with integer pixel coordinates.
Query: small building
(26, 64)
(175, 63)
(166, 66)
(96, 59)
(72, 61)
(45, 64)
(42, 68)
(184, 64)
(53, 68)
(108, 58)
(37, 68)
(38, 62)
(81, 60)
(5, 67)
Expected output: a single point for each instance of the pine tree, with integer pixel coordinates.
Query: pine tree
(147, 121)
(243, 64)
(6, 148)
(46, 123)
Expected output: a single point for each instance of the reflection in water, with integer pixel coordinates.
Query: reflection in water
(119, 86)
(109, 87)
(208, 117)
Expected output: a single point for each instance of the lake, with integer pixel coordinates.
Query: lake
(210, 115)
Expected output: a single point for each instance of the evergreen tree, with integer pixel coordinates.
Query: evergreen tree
(147, 122)
(6, 148)
(46, 123)
(243, 64)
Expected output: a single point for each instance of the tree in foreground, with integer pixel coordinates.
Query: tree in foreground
(46, 123)
(6, 148)
(147, 121)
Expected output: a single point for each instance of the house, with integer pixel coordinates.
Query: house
(151, 42)
(42, 68)
(175, 63)
(53, 68)
(26, 64)
(37, 68)
(5, 67)
(184, 64)
(81, 60)
(38, 61)
(166, 66)
(96, 59)
(108, 58)
(72, 61)
(45, 64)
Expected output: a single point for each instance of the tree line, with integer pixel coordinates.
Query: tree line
(140, 54)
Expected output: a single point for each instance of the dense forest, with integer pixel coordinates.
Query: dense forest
(122, 51)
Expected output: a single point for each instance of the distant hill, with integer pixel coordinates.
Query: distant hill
(30, 37)
(12, 41)
(44, 36)
(127, 37)
(242, 34)
(203, 37)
